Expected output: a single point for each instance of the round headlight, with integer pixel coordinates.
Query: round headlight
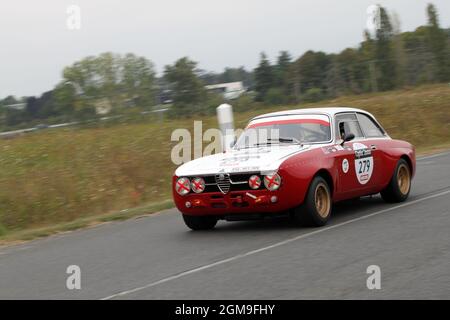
(272, 181)
(183, 186)
(254, 182)
(198, 185)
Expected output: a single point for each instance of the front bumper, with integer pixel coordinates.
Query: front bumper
(234, 202)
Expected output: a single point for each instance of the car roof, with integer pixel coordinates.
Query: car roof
(331, 111)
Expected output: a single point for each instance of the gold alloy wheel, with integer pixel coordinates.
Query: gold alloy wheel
(403, 179)
(322, 200)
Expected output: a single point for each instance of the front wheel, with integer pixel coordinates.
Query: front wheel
(400, 184)
(316, 209)
(200, 222)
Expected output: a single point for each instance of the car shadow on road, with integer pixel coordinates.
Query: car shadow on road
(342, 211)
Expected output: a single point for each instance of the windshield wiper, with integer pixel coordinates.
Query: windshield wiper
(285, 140)
(271, 141)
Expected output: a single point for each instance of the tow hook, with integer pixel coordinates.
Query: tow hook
(251, 196)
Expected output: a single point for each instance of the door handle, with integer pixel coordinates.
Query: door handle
(373, 147)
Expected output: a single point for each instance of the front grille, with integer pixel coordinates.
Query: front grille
(223, 182)
(237, 182)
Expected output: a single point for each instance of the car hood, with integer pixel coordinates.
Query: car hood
(262, 159)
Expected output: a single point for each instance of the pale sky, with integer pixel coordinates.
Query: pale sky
(36, 44)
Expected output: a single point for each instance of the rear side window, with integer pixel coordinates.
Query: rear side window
(347, 123)
(370, 127)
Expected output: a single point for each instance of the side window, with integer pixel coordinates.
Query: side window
(370, 128)
(347, 123)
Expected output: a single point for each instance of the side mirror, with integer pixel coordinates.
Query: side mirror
(348, 137)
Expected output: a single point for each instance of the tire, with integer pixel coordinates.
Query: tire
(400, 185)
(200, 222)
(316, 209)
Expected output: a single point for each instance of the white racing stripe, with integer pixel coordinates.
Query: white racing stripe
(277, 244)
(321, 117)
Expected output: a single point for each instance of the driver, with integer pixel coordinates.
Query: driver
(342, 130)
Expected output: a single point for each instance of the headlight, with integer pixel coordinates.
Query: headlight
(254, 182)
(272, 181)
(183, 186)
(198, 185)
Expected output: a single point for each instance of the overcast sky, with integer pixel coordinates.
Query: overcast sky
(36, 43)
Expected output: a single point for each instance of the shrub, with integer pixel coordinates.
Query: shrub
(244, 103)
(275, 96)
(313, 95)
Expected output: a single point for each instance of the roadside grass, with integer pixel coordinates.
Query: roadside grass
(65, 179)
(30, 234)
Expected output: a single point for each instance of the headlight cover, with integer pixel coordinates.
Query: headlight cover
(254, 182)
(183, 186)
(198, 185)
(272, 181)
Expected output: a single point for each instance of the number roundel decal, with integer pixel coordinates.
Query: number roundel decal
(363, 162)
(345, 165)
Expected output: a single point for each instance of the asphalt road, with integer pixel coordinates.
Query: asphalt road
(157, 257)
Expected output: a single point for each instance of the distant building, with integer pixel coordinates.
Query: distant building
(164, 96)
(229, 90)
(102, 106)
(17, 106)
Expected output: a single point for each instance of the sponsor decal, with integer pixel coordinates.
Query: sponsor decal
(363, 162)
(336, 148)
(345, 165)
(328, 150)
(237, 160)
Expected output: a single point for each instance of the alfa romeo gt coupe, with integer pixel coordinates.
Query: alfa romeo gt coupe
(296, 162)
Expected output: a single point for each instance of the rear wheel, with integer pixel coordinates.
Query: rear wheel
(400, 184)
(316, 209)
(200, 222)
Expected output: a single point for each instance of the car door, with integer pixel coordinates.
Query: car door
(374, 137)
(355, 161)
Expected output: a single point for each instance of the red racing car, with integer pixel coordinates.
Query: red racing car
(297, 162)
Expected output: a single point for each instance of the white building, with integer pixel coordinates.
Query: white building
(102, 106)
(229, 90)
(17, 106)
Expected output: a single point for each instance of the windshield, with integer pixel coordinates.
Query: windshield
(298, 129)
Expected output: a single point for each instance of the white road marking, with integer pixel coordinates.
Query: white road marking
(277, 244)
(433, 156)
(16, 249)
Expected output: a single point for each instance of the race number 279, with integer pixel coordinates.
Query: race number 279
(363, 166)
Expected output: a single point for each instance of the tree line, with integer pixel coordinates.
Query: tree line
(384, 61)
(112, 83)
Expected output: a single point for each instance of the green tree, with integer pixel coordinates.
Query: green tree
(418, 63)
(189, 94)
(83, 79)
(347, 73)
(312, 67)
(65, 97)
(138, 79)
(9, 100)
(384, 53)
(106, 71)
(438, 43)
(282, 70)
(275, 96)
(111, 77)
(264, 78)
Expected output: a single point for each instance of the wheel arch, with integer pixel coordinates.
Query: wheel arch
(409, 162)
(325, 174)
